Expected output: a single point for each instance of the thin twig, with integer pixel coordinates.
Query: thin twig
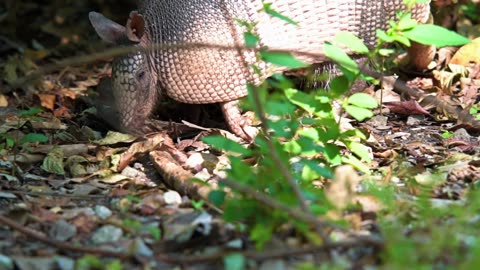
(114, 52)
(362, 241)
(61, 245)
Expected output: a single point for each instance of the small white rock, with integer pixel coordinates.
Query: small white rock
(172, 197)
(102, 211)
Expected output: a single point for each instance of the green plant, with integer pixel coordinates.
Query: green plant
(23, 117)
(302, 139)
(475, 110)
(12, 143)
(88, 262)
(447, 134)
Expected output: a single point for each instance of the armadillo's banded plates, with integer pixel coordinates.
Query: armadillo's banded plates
(210, 75)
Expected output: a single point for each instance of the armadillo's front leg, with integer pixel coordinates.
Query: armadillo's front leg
(238, 124)
(421, 55)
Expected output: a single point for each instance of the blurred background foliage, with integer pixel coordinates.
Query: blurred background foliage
(55, 27)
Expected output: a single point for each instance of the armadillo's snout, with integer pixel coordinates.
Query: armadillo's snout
(134, 90)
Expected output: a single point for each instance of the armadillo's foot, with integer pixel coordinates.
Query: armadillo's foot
(238, 124)
(421, 55)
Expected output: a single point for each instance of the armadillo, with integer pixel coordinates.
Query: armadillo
(216, 74)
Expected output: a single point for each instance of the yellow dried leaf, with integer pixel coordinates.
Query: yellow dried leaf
(469, 53)
(47, 101)
(3, 101)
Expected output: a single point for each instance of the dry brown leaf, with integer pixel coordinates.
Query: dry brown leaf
(469, 53)
(386, 95)
(47, 101)
(406, 107)
(3, 101)
(468, 92)
(422, 83)
(150, 144)
(65, 92)
(85, 223)
(62, 112)
(445, 54)
(444, 80)
(341, 191)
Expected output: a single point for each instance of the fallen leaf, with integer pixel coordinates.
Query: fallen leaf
(47, 101)
(3, 101)
(406, 107)
(469, 53)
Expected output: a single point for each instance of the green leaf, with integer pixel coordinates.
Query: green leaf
(53, 162)
(267, 7)
(447, 134)
(310, 132)
(292, 147)
(88, 262)
(9, 141)
(382, 35)
(261, 233)
(114, 265)
(352, 42)
(132, 224)
(356, 163)
(312, 170)
(235, 210)
(358, 113)
(113, 137)
(340, 57)
(30, 112)
(302, 100)
(33, 138)
(235, 261)
(154, 231)
(197, 205)
(223, 143)
(406, 22)
(386, 52)
(134, 199)
(359, 149)
(402, 40)
(275, 107)
(438, 36)
(332, 153)
(305, 146)
(283, 127)
(241, 171)
(354, 133)
(251, 40)
(363, 100)
(308, 174)
(283, 59)
(339, 85)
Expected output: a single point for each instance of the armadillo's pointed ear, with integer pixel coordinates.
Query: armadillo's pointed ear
(107, 29)
(135, 26)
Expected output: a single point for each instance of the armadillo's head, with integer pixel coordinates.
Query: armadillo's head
(134, 81)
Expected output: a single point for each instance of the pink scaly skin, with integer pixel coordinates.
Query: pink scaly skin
(238, 124)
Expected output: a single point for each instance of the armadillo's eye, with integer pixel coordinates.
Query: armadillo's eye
(140, 75)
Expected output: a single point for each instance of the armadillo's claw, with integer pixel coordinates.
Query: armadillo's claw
(238, 124)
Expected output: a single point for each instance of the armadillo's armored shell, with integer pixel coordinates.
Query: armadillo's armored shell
(199, 74)
(210, 75)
